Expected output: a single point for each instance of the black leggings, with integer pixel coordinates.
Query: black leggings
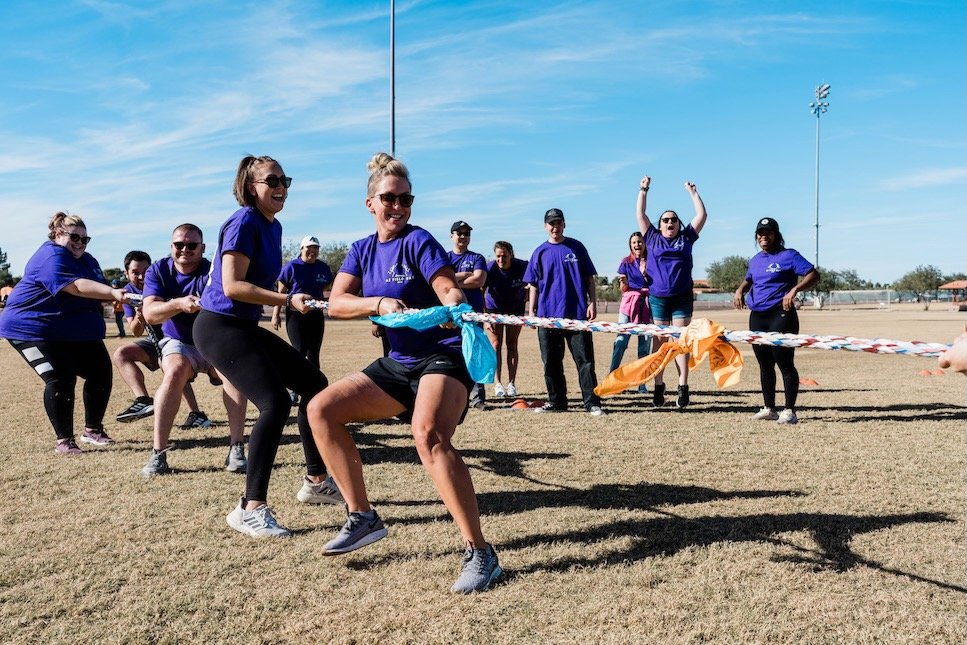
(305, 332)
(787, 322)
(262, 365)
(59, 363)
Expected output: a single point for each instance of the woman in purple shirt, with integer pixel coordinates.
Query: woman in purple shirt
(424, 378)
(634, 279)
(772, 283)
(506, 294)
(670, 267)
(255, 360)
(54, 320)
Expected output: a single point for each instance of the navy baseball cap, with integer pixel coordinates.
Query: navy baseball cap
(553, 215)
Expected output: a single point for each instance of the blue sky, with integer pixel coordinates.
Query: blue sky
(134, 116)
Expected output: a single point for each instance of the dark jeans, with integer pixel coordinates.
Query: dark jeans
(552, 353)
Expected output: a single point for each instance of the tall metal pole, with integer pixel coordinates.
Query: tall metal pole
(819, 107)
(392, 77)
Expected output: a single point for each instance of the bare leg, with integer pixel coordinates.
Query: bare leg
(126, 358)
(681, 361)
(657, 342)
(235, 407)
(353, 398)
(435, 418)
(177, 371)
(189, 394)
(513, 355)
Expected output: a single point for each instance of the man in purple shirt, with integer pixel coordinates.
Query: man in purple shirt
(172, 293)
(471, 270)
(562, 274)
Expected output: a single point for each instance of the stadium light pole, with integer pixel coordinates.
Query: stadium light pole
(819, 107)
(392, 77)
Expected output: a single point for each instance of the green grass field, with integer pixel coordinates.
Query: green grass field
(641, 526)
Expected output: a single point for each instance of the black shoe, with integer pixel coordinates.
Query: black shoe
(682, 400)
(658, 396)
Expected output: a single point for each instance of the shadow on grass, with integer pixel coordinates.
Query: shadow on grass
(928, 412)
(667, 536)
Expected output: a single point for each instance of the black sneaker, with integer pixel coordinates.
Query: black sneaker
(658, 396)
(682, 400)
(547, 407)
(196, 420)
(143, 406)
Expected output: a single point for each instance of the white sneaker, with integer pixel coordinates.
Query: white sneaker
(499, 391)
(787, 416)
(765, 414)
(512, 390)
(596, 411)
(325, 492)
(257, 523)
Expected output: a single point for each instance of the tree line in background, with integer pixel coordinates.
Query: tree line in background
(724, 275)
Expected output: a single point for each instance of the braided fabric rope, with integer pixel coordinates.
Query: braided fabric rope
(848, 343)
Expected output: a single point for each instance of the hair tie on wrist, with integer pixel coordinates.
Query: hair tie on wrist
(379, 303)
(288, 300)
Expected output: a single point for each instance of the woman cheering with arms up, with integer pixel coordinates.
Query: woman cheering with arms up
(424, 378)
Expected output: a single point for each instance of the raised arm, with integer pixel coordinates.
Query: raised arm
(700, 215)
(643, 222)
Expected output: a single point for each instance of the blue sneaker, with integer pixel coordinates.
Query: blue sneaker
(480, 569)
(358, 531)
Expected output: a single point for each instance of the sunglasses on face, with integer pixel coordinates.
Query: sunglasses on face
(388, 199)
(462, 233)
(669, 220)
(273, 182)
(75, 238)
(191, 246)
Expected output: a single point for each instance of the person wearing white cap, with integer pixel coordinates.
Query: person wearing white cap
(309, 275)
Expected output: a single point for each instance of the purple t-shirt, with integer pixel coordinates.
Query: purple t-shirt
(310, 279)
(505, 289)
(630, 268)
(772, 276)
(164, 281)
(247, 232)
(561, 273)
(130, 312)
(38, 309)
(402, 269)
(469, 261)
(670, 262)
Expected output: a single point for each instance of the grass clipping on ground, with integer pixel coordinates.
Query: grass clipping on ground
(641, 526)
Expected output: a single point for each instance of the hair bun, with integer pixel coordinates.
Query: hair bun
(379, 161)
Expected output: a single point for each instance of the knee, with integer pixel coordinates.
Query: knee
(428, 440)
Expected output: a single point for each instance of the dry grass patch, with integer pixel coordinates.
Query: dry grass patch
(640, 526)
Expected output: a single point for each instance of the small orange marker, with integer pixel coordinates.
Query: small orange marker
(924, 373)
(519, 404)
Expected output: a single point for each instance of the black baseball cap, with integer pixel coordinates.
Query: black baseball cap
(460, 224)
(767, 224)
(552, 215)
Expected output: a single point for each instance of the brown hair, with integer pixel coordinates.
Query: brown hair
(244, 175)
(384, 165)
(506, 246)
(61, 220)
(190, 228)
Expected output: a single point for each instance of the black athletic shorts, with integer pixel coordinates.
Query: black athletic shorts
(401, 382)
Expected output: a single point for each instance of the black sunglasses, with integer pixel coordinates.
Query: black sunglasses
(191, 246)
(273, 182)
(388, 199)
(669, 220)
(75, 238)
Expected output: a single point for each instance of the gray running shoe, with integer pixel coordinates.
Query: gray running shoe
(257, 523)
(157, 464)
(143, 406)
(196, 420)
(480, 569)
(325, 492)
(357, 532)
(96, 437)
(787, 417)
(236, 462)
(596, 411)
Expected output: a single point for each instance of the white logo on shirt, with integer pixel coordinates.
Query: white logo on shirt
(774, 267)
(399, 273)
(679, 243)
(570, 257)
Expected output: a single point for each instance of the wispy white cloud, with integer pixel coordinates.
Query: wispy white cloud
(924, 178)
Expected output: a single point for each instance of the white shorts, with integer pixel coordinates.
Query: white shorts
(174, 346)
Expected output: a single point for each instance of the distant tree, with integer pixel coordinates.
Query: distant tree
(4, 267)
(922, 281)
(115, 273)
(727, 274)
(954, 276)
(849, 279)
(332, 253)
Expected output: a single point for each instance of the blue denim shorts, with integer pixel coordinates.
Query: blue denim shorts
(670, 308)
